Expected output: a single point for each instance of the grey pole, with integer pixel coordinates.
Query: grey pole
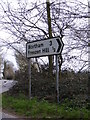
(29, 69)
(57, 79)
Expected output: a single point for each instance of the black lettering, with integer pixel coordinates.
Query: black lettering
(34, 52)
(45, 50)
(29, 47)
(35, 46)
(50, 43)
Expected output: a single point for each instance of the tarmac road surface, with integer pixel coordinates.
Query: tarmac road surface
(5, 85)
(5, 115)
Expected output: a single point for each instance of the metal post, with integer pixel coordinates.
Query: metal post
(57, 79)
(29, 69)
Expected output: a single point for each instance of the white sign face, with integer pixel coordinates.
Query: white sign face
(44, 47)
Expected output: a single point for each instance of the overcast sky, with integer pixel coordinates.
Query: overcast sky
(9, 54)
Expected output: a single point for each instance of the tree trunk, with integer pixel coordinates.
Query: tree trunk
(50, 58)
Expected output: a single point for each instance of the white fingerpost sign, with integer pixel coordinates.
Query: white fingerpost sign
(45, 47)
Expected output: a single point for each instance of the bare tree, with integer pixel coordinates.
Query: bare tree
(1, 61)
(0, 67)
(69, 21)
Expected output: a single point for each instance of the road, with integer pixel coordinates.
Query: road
(6, 115)
(5, 85)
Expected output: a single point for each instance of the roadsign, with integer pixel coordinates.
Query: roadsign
(52, 46)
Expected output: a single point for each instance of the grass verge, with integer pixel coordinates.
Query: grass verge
(42, 109)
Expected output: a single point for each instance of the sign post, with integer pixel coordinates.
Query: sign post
(29, 69)
(52, 46)
(57, 79)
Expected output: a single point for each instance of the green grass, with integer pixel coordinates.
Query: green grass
(43, 109)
